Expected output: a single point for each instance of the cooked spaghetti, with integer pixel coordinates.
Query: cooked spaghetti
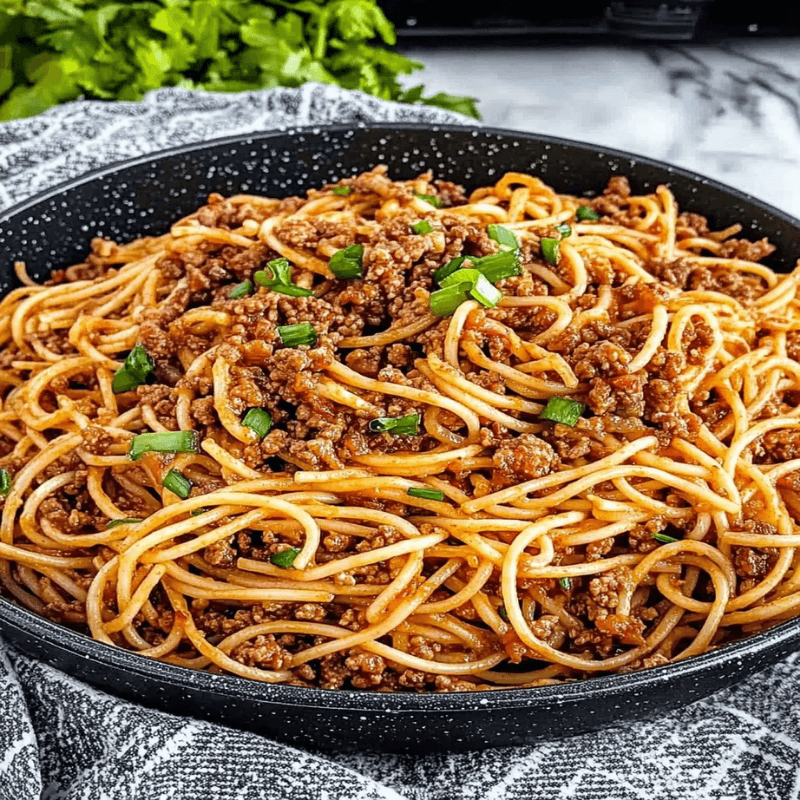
(393, 437)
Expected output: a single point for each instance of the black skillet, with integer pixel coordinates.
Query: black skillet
(142, 197)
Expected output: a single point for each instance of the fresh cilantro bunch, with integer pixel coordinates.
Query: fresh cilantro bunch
(52, 51)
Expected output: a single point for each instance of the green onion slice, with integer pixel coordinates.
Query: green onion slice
(166, 442)
(503, 236)
(138, 365)
(197, 512)
(285, 558)
(303, 333)
(5, 482)
(664, 538)
(498, 266)
(587, 213)
(177, 483)
(347, 263)
(279, 279)
(291, 290)
(449, 268)
(444, 302)
(429, 198)
(426, 494)
(564, 230)
(258, 420)
(126, 521)
(342, 191)
(479, 286)
(241, 290)
(423, 226)
(565, 583)
(550, 248)
(399, 426)
(559, 409)
(503, 613)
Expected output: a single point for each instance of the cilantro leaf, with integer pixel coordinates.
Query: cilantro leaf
(52, 51)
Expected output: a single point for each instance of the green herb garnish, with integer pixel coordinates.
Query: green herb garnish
(498, 266)
(346, 264)
(565, 583)
(342, 191)
(279, 279)
(407, 425)
(449, 268)
(503, 613)
(303, 333)
(423, 226)
(559, 409)
(477, 286)
(138, 365)
(550, 250)
(166, 442)
(125, 521)
(197, 512)
(503, 236)
(429, 198)
(664, 538)
(426, 494)
(258, 420)
(564, 230)
(177, 483)
(587, 213)
(5, 482)
(285, 558)
(241, 290)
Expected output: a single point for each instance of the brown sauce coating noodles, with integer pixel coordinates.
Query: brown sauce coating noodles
(485, 547)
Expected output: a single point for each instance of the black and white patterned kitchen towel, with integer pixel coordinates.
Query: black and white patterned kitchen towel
(63, 740)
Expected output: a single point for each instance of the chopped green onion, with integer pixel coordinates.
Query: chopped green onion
(498, 266)
(550, 248)
(399, 426)
(241, 290)
(585, 213)
(166, 442)
(5, 482)
(479, 286)
(426, 494)
(503, 613)
(565, 583)
(285, 558)
(486, 293)
(429, 198)
(449, 268)
(503, 236)
(197, 512)
(423, 226)
(138, 365)
(291, 290)
(564, 230)
(303, 333)
(559, 409)
(343, 191)
(126, 521)
(281, 280)
(258, 420)
(664, 538)
(177, 483)
(445, 301)
(347, 263)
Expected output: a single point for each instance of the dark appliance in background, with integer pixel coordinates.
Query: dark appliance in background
(673, 20)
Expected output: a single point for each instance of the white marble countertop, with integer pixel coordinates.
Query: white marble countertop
(729, 111)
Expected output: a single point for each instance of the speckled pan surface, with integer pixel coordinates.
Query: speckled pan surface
(142, 197)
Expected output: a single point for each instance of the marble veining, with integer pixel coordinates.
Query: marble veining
(730, 111)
